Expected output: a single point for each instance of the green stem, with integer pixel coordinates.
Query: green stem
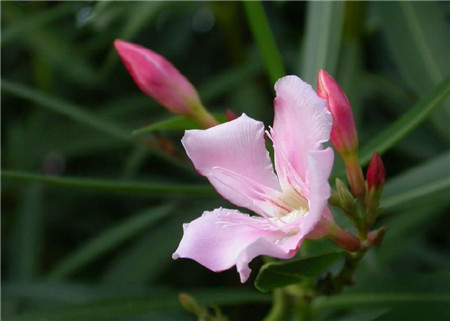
(281, 309)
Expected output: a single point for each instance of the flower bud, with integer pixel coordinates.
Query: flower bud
(376, 237)
(376, 174)
(159, 79)
(190, 304)
(343, 133)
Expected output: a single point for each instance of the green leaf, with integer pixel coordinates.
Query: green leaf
(112, 186)
(22, 27)
(163, 301)
(65, 108)
(108, 240)
(322, 42)
(442, 184)
(174, 123)
(54, 48)
(228, 80)
(424, 179)
(419, 28)
(376, 299)
(278, 274)
(404, 125)
(25, 255)
(134, 265)
(264, 39)
(140, 15)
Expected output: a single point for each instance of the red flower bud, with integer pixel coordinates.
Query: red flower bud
(376, 173)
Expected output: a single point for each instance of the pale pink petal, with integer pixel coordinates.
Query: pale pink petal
(234, 158)
(302, 123)
(320, 163)
(223, 238)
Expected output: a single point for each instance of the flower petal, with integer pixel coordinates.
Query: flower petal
(223, 238)
(320, 163)
(302, 123)
(234, 158)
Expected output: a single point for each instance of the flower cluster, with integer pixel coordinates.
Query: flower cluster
(290, 196)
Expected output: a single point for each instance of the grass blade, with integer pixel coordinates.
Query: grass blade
(65, 108)
(427, 178)
(419, 28)
(400, 128)
(107, 241)
(111, 186)
(413, 193)
(24, 26)
(140, 15)
(25, 254)
(264, 39)
(322, 39)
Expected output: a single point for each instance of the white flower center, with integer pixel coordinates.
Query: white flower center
(291, 205)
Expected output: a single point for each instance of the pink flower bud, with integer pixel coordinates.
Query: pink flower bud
(343, 134)
(376, 173)
(158, 78)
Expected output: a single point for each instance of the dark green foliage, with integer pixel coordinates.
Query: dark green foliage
(91, 214)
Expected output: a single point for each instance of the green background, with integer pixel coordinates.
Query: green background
(92, 214)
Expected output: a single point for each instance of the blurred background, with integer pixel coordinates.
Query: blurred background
(91, 214)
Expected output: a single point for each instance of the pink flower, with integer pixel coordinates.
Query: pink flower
(289, 204)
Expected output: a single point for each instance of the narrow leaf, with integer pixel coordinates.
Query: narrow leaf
(278, 274)
(264, 39)
(23, 26)
(27, 246)
(108, 240)
(322, 41)
(414, 193)
(174, 123)
(161, 301)
(65, 108)
(419, 28)
(112, 186)
(404, 125)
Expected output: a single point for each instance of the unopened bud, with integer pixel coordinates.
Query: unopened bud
(159, 79)
(190, 304)
(376, 237)
(343, 134)
(376, 174)
(344, 137)
(346, 200)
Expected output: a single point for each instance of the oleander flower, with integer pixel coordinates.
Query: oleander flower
(289, 204)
